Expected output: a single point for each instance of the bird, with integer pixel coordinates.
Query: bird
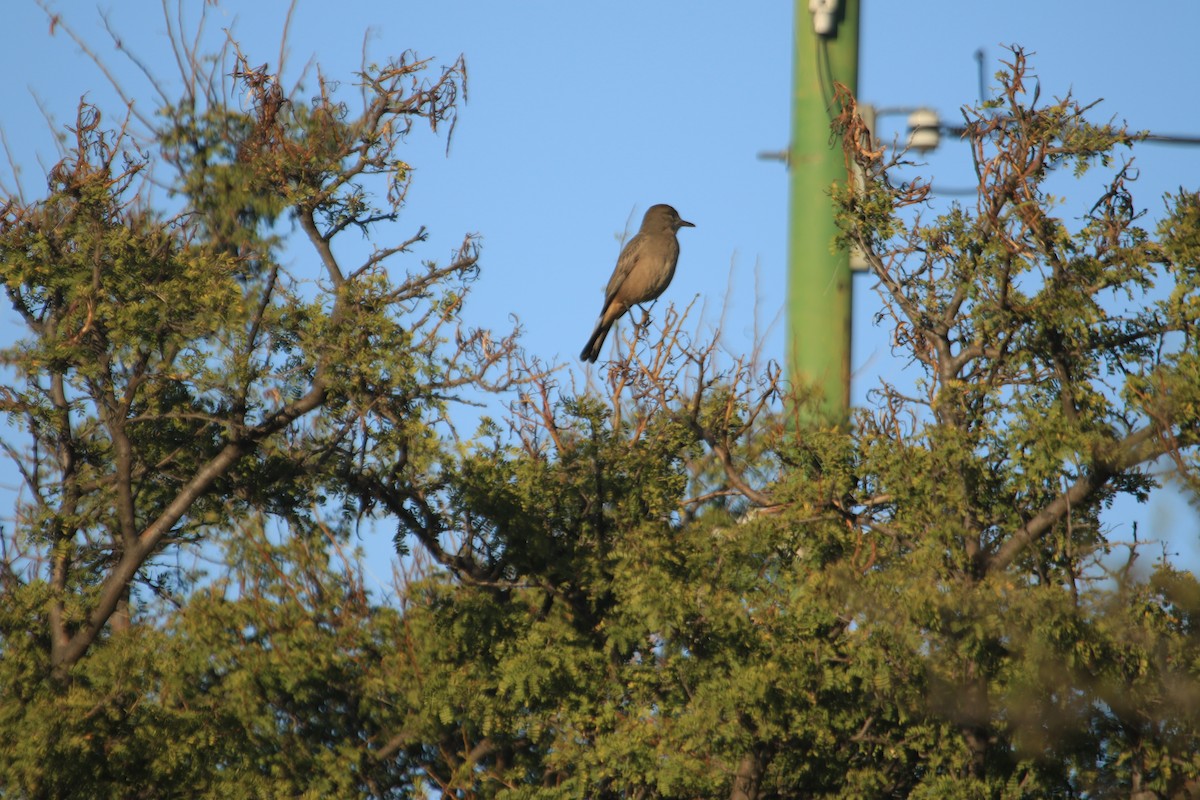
(644, 269)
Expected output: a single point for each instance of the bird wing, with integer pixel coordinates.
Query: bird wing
(625, 264)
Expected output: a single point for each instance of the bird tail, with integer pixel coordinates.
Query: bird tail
(591, 350)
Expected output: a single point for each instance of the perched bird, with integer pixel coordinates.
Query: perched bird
(644, 269)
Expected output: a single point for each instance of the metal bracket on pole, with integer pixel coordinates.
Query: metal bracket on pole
(824, 16)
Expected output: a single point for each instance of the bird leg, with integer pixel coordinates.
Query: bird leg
(644, 325)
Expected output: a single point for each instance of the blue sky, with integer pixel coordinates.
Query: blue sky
(580, 116)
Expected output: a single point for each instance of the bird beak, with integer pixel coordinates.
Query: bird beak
(683, 223)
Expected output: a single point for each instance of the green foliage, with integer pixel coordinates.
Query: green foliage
(666, 589)
(255, 689)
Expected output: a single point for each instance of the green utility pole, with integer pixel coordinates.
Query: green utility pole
(819, 278)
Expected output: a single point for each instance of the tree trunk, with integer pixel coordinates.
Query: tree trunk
(748, 778)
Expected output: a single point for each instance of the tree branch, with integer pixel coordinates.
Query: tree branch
(1136, 448)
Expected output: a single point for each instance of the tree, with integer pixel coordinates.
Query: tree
(178, 387)
(665, 587)
(692, 596)
(173, 364)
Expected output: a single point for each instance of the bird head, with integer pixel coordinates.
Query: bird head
(664, 217)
